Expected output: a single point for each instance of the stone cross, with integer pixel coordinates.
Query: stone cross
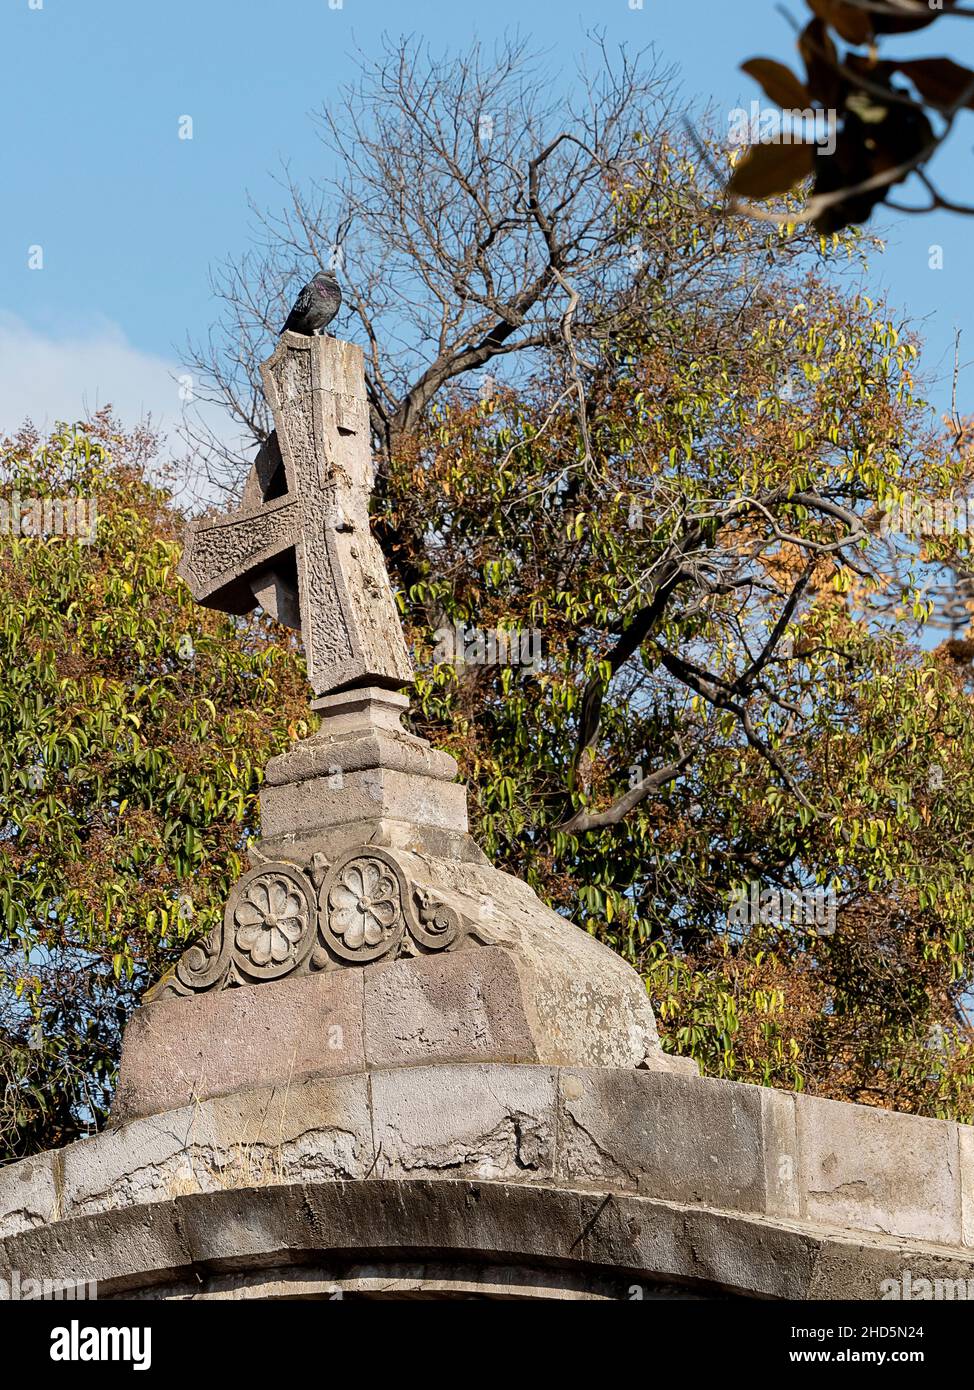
(300, 544)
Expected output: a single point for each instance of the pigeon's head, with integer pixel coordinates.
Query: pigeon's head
(326, 277)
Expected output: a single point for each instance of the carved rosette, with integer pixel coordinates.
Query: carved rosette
(268, 931)
(361, 907)
(271, 918)
(283, 919)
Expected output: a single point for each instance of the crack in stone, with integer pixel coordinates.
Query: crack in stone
(242, 1165)
(517, 1135)
(610, 1158)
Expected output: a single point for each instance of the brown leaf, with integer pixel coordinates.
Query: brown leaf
(940, 81)
(769, 169)
(825, 83)
(926, 14)
(778, 82)
(854, 25)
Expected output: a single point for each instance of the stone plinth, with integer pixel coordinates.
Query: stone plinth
(391, 940)
(360, 768)
(491, 1005)
(495, 1180)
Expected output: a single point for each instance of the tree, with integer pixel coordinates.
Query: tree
(563, 245)
(133, 726)
(890, 115)
(471, 214)
(764, 718)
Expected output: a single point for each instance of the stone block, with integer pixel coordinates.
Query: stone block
(489, 1122)
(877, 1170)
(386, 833)
(360, 766)
(147, 1238)
(891, 1271)
(683, 1139)
(177, 1051)
(712, 1250)
(965, 1141)
(779, 1130)
(458, 1007)
(29, 1193)
(302, 808)
(585, 1005)
(309, 1130)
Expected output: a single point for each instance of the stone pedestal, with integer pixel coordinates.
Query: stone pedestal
(454, 961)
(489, 1005)
(361, 779)
(370, 930)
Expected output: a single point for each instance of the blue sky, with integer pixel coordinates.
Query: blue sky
(130, 217)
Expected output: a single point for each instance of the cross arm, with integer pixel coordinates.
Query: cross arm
(222, 554)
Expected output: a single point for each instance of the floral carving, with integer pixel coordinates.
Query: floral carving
(270, 918)
(276, 924)
(364, 903)
(361, 902)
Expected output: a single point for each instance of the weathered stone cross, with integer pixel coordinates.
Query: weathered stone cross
(300, 544)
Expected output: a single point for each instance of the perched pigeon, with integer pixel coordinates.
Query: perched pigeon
(315, 306)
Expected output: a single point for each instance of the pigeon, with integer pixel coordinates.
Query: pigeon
(315, 306)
